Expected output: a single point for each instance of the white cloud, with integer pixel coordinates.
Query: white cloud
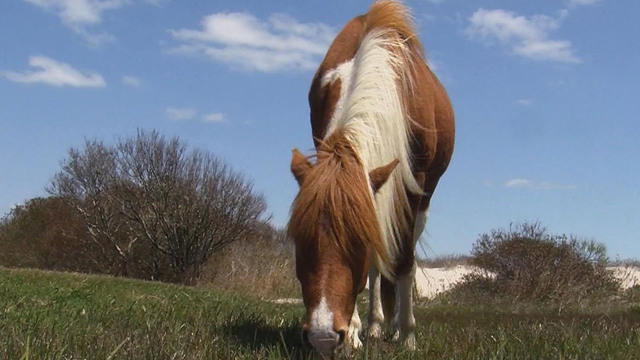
(525, 36)
(180, 113)
(242, 40)
(78, 12)
(81, 15)
(213, 118)
(534, 185)
(187, 113)
(518, 183)
(582, 2)
(132, 81)
(51, 72)
(524, 102)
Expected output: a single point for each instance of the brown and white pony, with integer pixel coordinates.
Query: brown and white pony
(384, 131)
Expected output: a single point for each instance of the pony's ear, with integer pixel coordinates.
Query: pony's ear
(380, 175)
(299, 165)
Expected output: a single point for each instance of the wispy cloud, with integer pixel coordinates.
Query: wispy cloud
(243, 41)
(536, 185)
(180, 113)
(524, 102)
(582, 2)
(52, 72)
(82, 16)
(187, 113)
(525, 36)
(213, 118)
(132, 81)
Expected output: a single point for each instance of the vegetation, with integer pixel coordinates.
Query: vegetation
(261, 266)
(444, 261)
(45, 233)
(148, 208)
(145, 207)
(525, 264)
(48, 315)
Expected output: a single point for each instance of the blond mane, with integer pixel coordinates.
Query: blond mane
(372, 114)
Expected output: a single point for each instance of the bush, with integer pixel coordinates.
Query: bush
(527, 263)
(150, 195)
(261, 265)
(444, 261)
(45, 233)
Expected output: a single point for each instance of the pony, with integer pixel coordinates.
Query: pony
(383, 130)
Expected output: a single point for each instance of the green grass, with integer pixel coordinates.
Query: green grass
(46, 315)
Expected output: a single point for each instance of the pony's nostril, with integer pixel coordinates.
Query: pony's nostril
(341, 335)
(305, 338)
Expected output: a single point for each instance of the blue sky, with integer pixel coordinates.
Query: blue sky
(546, 96)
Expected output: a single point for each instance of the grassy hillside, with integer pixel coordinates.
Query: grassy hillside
(46, 315)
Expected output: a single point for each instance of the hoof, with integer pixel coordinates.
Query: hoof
(353, 340)
(409, 342)
(396, 336)
(374, 331)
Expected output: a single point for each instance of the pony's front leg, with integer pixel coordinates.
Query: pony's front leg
(375, 317)
(405, 321)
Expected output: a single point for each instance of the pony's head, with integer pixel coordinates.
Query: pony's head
(336, 233)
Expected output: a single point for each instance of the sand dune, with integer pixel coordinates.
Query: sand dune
(432, 281)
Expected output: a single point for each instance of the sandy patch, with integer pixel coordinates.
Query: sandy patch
(433, 281)
(629, 276)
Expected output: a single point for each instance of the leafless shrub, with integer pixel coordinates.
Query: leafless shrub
(529, 264)
(45, 233)
(261, 265)
(625, 262)
(150, 193)
(444, 261)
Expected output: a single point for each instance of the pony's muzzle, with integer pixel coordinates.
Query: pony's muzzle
(324, 341)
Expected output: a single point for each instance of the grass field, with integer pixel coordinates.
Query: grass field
(46, 315)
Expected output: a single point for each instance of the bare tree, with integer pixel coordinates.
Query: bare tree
(147, 190)
(86, 182)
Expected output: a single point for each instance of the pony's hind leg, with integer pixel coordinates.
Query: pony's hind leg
(405, 322)
(388, 295)
(375, 317)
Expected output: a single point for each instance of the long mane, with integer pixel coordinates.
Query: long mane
(336, 199)
(373, 116)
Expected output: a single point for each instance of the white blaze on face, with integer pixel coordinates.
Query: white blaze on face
(321, 334)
